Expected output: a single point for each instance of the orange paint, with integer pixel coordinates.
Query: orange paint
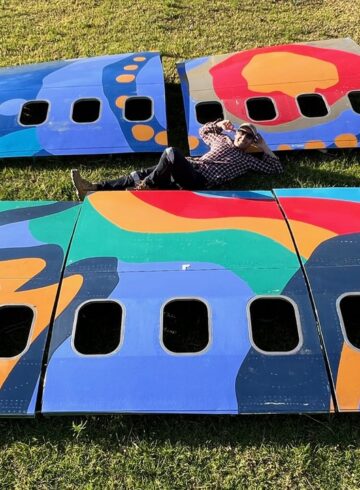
(308, 236)
(314, 144)
(144, 218)
(142, 132)
(284, 147)
(266, 72)
(42, 300)
(346, 140)
(125, 78)
(139, 58)
(120, 101)
(193, 142)
(161, 138)
(131, 67)
(348, 379)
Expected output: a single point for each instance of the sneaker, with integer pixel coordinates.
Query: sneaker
(81, 185)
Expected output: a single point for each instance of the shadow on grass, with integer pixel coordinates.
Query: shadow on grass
(192, 431)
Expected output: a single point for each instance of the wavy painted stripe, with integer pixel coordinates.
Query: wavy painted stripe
(142, 218)
(191, 205)
(340, 217)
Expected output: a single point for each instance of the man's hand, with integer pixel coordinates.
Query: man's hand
(226, 125)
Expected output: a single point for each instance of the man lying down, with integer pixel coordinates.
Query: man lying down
(226, 160)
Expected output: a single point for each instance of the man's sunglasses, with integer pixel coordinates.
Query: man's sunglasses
(247, 135)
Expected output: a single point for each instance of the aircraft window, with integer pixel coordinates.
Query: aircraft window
(34, 113)
(208, 111)
(350, 314)
(185, 326)
(354, 98)
(138, 109)
(261, 109)
(15, 326)
(86, 110)
(98, 328)
(274, 325)
(312, 105)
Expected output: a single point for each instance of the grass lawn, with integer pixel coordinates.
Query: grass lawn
(173, 452)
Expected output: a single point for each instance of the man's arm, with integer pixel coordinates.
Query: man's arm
(211, 132)
(269, 164)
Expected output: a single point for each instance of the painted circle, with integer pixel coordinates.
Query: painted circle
(125, 78)
(139, 58)
(284, 147)
(120, 101)
(131, 67)
(161, 138)
(314, 144)
(193, 142)
(346, 140)
(142, 132)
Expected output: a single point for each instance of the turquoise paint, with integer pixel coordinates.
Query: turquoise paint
(264, 264)
(55, 228)
(20, 142)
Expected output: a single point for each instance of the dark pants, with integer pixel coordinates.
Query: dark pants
(172, 171)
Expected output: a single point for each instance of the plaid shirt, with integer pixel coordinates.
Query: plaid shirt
(225, 162)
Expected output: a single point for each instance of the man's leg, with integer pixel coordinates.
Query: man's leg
(172, 168)
(84, 186)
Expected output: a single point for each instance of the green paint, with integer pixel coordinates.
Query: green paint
(264, 264)
(55, 228)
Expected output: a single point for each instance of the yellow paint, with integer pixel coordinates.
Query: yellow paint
(309, 236)
(284, 147)
(346, 140)
(348, 379)
(161, 138)
(131, 67)
(290, 73)
(139, 58)
(144, 218)
(314, 144)
(125, 78)
(120, 101)
(142, 132)
(42, 300)
(193, 142)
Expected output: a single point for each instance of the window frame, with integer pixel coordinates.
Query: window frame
(86, 99)
(122, 327)
(298, 325)
(342, 324)
(210, 327)
(32, 326)
(261, 120)
(351, 107)
(34, 125)
(203, 102)
(139, 120)
(328, 108)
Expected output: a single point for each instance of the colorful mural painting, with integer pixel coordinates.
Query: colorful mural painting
(107, 104)
(219, 248)
(239, 259)
(326, 228)
(34, 238)
(300, 96)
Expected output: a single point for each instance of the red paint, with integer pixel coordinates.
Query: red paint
(190, 205)
(229, 84)
(341, 217)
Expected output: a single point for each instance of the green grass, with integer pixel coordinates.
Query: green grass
(173, 452)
